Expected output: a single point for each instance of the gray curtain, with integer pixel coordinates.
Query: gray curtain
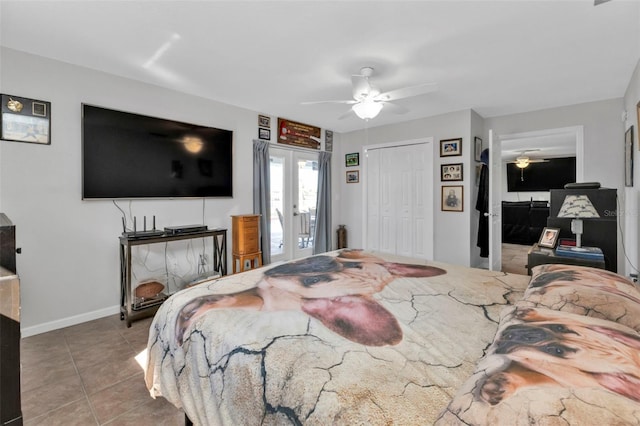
(261, 195)
(322, 234)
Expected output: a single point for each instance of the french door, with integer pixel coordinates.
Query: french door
(294, 186)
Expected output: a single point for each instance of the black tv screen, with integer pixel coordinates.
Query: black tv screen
(126, 155)
(551, 174)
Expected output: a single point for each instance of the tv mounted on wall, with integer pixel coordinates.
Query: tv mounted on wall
(126, 155)
(551, 174)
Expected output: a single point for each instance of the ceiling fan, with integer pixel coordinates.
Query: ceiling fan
(522, 161)
(368, 101)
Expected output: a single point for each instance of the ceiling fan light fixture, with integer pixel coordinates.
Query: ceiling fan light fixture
(522, 162)
(367, 109)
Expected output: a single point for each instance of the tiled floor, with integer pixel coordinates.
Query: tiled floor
(514, 258)
(87, 375)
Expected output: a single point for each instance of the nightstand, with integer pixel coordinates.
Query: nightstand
(540, 256)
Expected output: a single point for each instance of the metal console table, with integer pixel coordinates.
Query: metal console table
(131, 311)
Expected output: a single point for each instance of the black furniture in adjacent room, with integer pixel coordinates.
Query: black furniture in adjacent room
(523, 221)
(599, 232)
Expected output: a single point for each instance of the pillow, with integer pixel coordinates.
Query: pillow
(585, 291)
(550, 367)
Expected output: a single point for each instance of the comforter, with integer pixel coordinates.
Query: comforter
(347, 337)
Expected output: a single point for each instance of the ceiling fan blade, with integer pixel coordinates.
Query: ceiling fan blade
(597, 2)
(361, 87)
(396, 109)
(407, 92)
(347, 114)
(329, 102)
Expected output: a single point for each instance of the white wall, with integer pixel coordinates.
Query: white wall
(603, 139)
(630, 214)
(449, 226)
(69, 266)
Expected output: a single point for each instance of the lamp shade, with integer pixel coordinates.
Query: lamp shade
(577, 206)
(367, 109)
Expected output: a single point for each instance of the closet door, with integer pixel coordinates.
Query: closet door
(400, 200)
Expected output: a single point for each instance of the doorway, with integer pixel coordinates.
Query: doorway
(294, 186)
(398, 192)
(547, 139)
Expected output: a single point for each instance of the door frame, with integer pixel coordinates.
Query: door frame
(290, 226)
(577, 131)
(430, 244)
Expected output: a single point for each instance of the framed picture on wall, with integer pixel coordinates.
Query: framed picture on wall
(450, 147)
(352, 159)
(628, 157)
(477, 146)
(452, 198)
(353, 176)
(450, 172)
(25, 120)
(264, 134)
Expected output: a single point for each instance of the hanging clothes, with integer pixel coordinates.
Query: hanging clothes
(482, 205)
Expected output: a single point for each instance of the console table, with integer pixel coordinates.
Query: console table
(130, 309)
(540, 256)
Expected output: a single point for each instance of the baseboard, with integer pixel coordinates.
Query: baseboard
(69, 321)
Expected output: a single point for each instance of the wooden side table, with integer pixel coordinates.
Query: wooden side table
(246, 242)
(540, 256)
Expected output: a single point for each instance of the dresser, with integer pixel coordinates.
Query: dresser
(10, 411)
(246, 253)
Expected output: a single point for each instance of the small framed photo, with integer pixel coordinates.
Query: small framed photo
(328, 140)
(450, 172)
(452, 198)
(353, 176)
(477, 146)
(549, 237)
(450, 147)
(264, 121)
(264, 134)
(352, 159)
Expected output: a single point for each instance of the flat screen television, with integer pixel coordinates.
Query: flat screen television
(126, 155)
(551, 174)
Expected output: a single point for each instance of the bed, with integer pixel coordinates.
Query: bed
(222, 360)
(351, 337)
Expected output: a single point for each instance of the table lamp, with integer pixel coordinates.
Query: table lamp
(577, 207)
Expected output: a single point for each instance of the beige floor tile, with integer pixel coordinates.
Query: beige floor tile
(102, 376)
(158, 412)
(43, 399)
(122, 397)
(74, 414)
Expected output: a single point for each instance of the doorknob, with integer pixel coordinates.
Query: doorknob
(295, 213)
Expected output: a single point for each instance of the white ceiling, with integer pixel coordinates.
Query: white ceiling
(496, 57)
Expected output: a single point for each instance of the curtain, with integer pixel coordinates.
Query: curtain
(322, 233)
(262, 195)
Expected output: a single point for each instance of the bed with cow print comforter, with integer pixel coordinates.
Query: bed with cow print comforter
(343, 338)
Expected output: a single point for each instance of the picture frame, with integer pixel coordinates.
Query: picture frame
(352, 159)
(452, 198)
(450, 147)
(353, 176)
(264, 121)
(25, 120)
(451, 172)
(477, 148)
(638, 111)
(549, 237)
(264, 134)
(628, 157)
(328, 140)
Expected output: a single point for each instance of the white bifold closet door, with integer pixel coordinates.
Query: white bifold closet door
(399, 216)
